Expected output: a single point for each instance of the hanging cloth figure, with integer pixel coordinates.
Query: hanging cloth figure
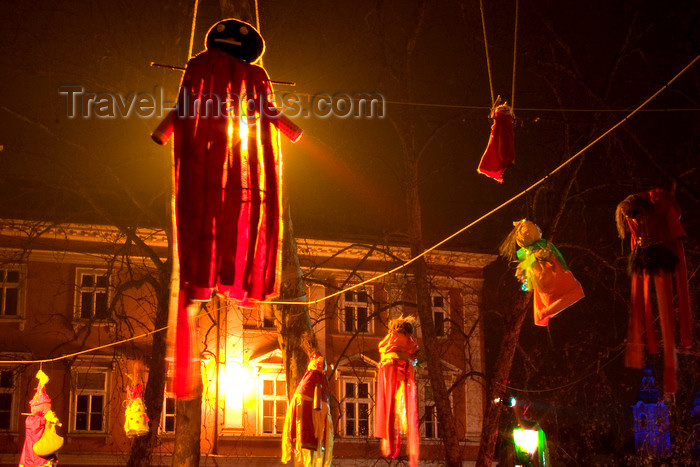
(500, 150)
(135, 419)
(40, 440)
(541, 269)
(653, 219)
(227, 206)
(308, 425)
(397, 409)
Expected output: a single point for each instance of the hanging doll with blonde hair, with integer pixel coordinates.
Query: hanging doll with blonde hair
(542, 270)
(397, 408)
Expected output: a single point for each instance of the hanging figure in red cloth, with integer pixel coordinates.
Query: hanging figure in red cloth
(227, 193)
(541, 269)
(308, 426)
(40, 440)
(397, 410)
(500, 150)
(653, 219)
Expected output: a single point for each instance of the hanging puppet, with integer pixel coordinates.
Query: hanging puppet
(500, 150)
(397, 409)
(227, 194)
(41, 440)
(135, 418)
(653, 219)
(541, 269)
(308, 426)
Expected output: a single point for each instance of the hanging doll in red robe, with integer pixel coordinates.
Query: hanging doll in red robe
(653, 219)
(500, 150)
(541, 269)
(397, 403)
(308, 425)
(227, 194)
(40, 440)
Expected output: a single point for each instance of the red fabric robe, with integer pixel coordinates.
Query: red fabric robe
(34, 428)
(398, 352)
(500, 150)
(308, 426)
(227, 192)
(659, 226)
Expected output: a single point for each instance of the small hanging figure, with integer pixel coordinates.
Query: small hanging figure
(227, 158)
(397, 404)
(500, 150)
(308, 425)
(541, 269)
(136, 420)
(653, 219)
(41, 442)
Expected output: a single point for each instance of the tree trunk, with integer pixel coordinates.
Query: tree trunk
(489, 429)
(142, 448)
(292, 321)
(453, 452)
(188, 424)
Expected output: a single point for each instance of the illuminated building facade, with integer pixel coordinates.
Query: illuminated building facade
(72, 288)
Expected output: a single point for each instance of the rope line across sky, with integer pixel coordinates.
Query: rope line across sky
(301, 301)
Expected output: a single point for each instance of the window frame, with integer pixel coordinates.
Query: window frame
(275, 398)
(344, 303)
(95, 289)
(444, 309)
(356, 401)
(13, 392)
(91, 393)
(21, 288)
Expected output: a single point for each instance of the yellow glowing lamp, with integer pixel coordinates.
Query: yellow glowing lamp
(526, 440)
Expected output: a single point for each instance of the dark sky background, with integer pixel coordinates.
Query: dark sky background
(344, 177)
(582, 66)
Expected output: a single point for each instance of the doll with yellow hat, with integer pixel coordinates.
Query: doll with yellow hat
(41, 441)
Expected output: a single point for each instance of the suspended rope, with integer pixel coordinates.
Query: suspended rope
(488, 61)
(401, 266)
(194, 24)
(486, 48)
(515, 48)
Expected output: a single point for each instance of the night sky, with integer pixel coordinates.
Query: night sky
(582, 66)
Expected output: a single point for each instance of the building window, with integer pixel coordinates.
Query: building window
(273, 405)
(440, 317)
(168, 417)
(431, 425)
(9, 292)
(92, 297)
(356, 405)
(268, 317)
(7, 393)
(89, 401)
(356, 310)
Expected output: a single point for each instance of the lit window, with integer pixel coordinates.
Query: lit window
(439, 306)
(268, 317)
(273, 405)
(355, 316)
(169, 410)
(92, 297)
(356, 407)
(89, 399)
(10, 292)
(7, 392)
